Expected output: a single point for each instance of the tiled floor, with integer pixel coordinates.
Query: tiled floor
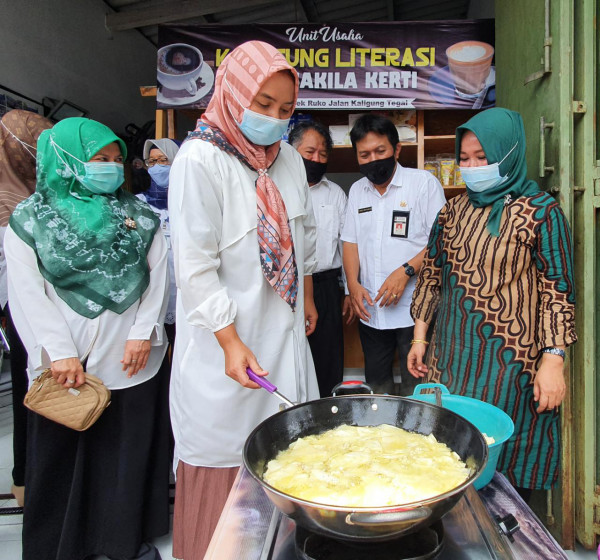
(10, 525)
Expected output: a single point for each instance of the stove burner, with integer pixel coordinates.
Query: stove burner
(425, 543)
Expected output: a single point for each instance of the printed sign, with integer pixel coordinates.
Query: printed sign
(345, 66)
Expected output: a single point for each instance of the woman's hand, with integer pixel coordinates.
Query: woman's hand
(549, 386)
(414, 361)
(238, 357)
(136, 355)
(68, 372)
(392, 289)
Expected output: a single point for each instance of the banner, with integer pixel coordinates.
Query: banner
(345, 66)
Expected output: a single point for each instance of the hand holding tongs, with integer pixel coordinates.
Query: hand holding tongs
(266, 384)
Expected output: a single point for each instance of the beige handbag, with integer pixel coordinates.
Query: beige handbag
(77, 408)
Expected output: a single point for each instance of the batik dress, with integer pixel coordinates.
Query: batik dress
(499, 302)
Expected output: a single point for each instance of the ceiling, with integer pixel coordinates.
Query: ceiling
(145, 15)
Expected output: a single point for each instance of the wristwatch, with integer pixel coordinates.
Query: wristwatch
(555, 351)
(410, 271)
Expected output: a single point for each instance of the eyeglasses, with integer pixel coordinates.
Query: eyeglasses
(160, 161)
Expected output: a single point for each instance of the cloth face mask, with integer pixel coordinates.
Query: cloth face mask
(484, 177)
(103, 177)
(314, 170)
(100, 177)
(378, 171)
(261, 130)
(160, 175)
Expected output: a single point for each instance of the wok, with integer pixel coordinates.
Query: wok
(364, 524)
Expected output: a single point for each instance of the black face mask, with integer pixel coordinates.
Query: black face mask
(314, 170)
(378, 171)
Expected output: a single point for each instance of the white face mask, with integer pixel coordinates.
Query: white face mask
(31, 150)
(484, 177)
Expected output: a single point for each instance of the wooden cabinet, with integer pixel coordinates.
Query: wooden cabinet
(435, 135)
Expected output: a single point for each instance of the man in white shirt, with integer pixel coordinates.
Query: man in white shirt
(388, 219)
(314, 144)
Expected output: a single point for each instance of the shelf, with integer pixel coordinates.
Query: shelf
(435, 135)
(440, 137)
(441, 122)
(452, 190)
(438, 145)
(403, 144)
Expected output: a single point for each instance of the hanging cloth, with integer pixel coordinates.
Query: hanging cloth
(19, 132)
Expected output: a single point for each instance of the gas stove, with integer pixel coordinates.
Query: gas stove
(492, 524)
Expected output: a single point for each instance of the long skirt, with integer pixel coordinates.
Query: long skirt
(200, 495)
(105, 490)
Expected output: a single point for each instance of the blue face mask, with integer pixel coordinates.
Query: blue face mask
(484, 177)
(102, 177)
(160, 175)
(261, 130)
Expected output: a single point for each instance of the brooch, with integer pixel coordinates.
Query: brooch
(130, 223)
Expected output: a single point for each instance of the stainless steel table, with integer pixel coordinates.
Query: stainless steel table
(250, 528)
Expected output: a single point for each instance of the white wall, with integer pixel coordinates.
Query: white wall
(61, 49)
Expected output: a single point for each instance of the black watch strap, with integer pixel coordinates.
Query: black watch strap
(410, 271)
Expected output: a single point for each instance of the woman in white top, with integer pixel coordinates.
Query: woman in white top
(158, 157)
(87, 283)
(244, 239)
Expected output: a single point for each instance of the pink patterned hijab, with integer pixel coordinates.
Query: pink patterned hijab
(246, 69)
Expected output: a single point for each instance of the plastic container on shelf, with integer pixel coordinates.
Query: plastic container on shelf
(433, 166)
(447, 165)
(458, 180)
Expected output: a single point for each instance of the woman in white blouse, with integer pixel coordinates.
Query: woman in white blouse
(87, 282)
(244, 236)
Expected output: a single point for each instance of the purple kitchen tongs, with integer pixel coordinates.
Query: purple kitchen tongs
(266, 384)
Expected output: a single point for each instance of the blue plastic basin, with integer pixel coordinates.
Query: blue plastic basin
(487, 418)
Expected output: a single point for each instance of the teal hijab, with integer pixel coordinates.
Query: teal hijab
(82, 243)
(499, 131)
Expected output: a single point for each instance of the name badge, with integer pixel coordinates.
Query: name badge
(400, 222)
(367, 209)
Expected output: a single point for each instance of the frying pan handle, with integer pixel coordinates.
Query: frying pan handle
(388, 518)
(421, 386)
(262, 381)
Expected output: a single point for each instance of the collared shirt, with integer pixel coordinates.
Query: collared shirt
(329, 205)
(369, 220)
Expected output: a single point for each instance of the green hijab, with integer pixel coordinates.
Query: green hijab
(83, 247)
(498, 131)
